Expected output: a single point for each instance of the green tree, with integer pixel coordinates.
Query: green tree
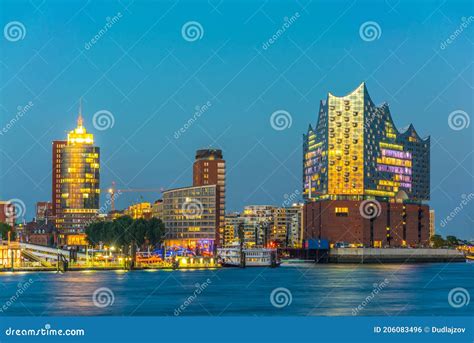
(4, 229)
(437, 241)
(125, 231)
(452, 241)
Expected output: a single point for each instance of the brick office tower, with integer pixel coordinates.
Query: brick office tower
(209, 169)
(56, 182)
(365, 182)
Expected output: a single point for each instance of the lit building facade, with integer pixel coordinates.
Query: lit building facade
(138, 211)
(432, 223)
(231, 233)
(355, 153)
(288, 226)
(76, 184)
(190, 217)
(258, 221)
(157, 209)
(209, 168)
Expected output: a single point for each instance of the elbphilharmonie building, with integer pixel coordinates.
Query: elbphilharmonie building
(356, 160)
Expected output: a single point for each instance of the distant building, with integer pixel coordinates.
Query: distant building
(355, 155)
(7, 213)
(44, 210)
(258, 221)
(157, 209)
(76, 187)
(191, 218)
(114, 214)
(140, 210)
(39, 232)
(232, 222)
(209, 169)
(290, 218)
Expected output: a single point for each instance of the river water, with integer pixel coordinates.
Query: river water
(297, 290)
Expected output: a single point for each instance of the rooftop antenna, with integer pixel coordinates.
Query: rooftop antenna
(79, 119)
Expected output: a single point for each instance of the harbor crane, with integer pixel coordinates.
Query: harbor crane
(113, 191)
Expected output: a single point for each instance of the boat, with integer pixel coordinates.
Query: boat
(254, 257)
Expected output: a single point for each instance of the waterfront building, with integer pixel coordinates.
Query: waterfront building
(57, 146)
(76, 187)
(293, 218)
(209, 169)
(355, 154)
(432, 223)
(139, 210)
(7, 213)
(190, 217)
(231, 233)
(258, 220)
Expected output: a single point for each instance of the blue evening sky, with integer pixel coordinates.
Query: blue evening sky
(151, 79)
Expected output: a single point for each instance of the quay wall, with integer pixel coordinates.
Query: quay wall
(394, 255)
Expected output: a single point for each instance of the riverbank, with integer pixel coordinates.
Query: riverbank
(394, 255)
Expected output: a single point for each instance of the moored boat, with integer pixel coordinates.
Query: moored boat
(254, 257)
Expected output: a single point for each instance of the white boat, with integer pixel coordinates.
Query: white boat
(254, 257)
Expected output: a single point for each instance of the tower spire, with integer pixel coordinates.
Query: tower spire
(79, 118)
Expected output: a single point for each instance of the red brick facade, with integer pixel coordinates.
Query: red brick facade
(395, 225)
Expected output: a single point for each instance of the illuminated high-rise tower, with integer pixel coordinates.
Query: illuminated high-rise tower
(76, 186)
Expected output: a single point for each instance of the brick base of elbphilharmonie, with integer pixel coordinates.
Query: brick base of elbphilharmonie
(368, 223)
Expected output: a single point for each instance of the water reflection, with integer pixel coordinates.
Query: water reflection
(317, 290)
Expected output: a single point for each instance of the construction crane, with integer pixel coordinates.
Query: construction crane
(113, 191)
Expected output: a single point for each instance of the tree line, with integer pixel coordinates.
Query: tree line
(125, 231)
(450, 242)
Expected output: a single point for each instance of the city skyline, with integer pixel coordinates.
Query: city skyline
(239, 125)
